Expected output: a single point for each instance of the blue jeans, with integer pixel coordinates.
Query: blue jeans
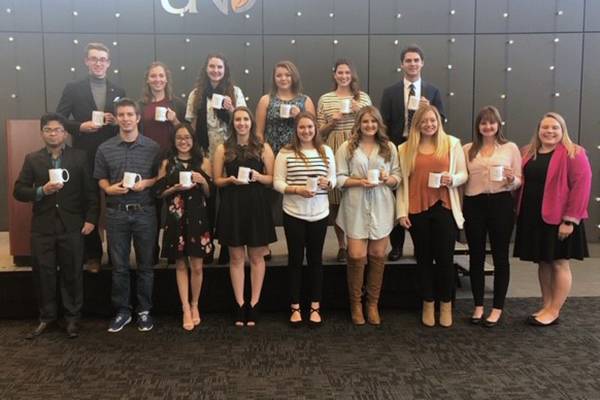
(121, 227)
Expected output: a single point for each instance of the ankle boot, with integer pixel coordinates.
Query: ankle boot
(446, 314)
(355, 275)
(374, 282)
(428, 313)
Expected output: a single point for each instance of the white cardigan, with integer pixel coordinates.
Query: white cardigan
(458, 171)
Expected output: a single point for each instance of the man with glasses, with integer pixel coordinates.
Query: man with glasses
(65, 210)
(78, 102)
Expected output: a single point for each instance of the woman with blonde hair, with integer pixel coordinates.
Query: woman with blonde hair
(552, 205)
(367, 174)
(428, 204)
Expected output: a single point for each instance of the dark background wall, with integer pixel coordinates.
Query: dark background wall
(524, 56)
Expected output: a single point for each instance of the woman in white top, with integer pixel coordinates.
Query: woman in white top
(367, 173)
(304, 173)
(494, 166)
(209, 114)
(428, 203)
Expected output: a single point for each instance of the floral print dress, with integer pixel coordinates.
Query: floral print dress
(188, 227)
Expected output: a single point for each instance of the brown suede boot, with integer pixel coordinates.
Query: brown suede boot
(428, 313)
(446, 314)
(374, 282)
(355, 275)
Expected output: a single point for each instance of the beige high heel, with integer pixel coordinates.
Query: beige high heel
(195, 314)
(188, 324)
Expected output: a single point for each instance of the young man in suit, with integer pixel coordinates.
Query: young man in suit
(78, 101)
(398, 105)
(63, 214)
(130, 212)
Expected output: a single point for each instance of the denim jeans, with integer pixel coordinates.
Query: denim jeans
(123, 226)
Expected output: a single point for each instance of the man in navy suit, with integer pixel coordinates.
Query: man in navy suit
(398, 105)
(64, 212)
(79, 99)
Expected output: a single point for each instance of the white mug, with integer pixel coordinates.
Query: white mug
(185, 178)
(244, 174)
(217, 101)
(312, 183)
(413, 103)
(160, 114)
(130, 179)
(98, 118)
(373, 176)
(346, 106)
(497, 173)
(435, 180)
(57, 175)
(284, 110)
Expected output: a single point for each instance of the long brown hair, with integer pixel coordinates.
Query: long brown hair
(354, 83)
(295, 144)
(381, 137)
(254, 148)
(147, 91)
(203, 80)
(294, 73)
(486, 114)
(535, 143)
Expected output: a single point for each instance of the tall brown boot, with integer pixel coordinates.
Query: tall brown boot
(374, 282)
(355, 275)
(446, 314)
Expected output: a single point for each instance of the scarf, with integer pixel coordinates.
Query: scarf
(201, 120)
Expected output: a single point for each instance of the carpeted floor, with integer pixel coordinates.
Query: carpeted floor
(399, 360)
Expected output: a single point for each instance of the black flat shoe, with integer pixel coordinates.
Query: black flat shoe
(239, 317)
(476, 320)
(535, 322)
(395, 254)
(295, 324)
(491, 324)
(315, 324)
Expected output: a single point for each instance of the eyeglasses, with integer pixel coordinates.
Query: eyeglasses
(96, 60)
(50, 130)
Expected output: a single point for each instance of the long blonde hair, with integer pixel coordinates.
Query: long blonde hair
(381, 137)
(410, 149)
(536, 143)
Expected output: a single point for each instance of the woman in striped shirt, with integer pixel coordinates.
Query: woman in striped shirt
(304, 173)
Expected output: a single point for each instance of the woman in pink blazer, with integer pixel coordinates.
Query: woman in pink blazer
(552, 204)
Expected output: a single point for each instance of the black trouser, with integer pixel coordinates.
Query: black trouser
(397, 236)
(434, 236)
(300, 235)
(49, 251)
(491, 214)
(92, 243)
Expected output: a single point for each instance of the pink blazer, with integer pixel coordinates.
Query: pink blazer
(567, 188)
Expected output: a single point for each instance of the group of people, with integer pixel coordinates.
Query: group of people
(204, 171)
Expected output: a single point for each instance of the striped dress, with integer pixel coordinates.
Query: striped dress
(329, 104)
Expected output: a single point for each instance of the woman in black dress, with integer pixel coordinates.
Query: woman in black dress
(244, 218)
(187, 234)
(552, 205)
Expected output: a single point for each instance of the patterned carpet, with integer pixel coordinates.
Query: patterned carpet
(399, 360)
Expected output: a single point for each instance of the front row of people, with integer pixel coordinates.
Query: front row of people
(426, 172)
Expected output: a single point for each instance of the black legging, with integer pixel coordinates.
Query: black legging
(491, 214)
(434, 236)
(301, 234)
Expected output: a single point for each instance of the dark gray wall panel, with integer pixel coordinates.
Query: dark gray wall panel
(209, 19)
(98, 16)
(529, 16)
(439, 53)
(592, 15)
(244, 54)
(317, 17)
(20, 15)
(589, 136)
(27, 86)
(424, 16)
(130, 55)
(316, 76)
(530, 85)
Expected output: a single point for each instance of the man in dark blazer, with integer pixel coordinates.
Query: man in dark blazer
(63, 213)
(398, 105)
(78, 101)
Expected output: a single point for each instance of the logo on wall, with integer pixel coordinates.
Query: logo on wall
(237, 6)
